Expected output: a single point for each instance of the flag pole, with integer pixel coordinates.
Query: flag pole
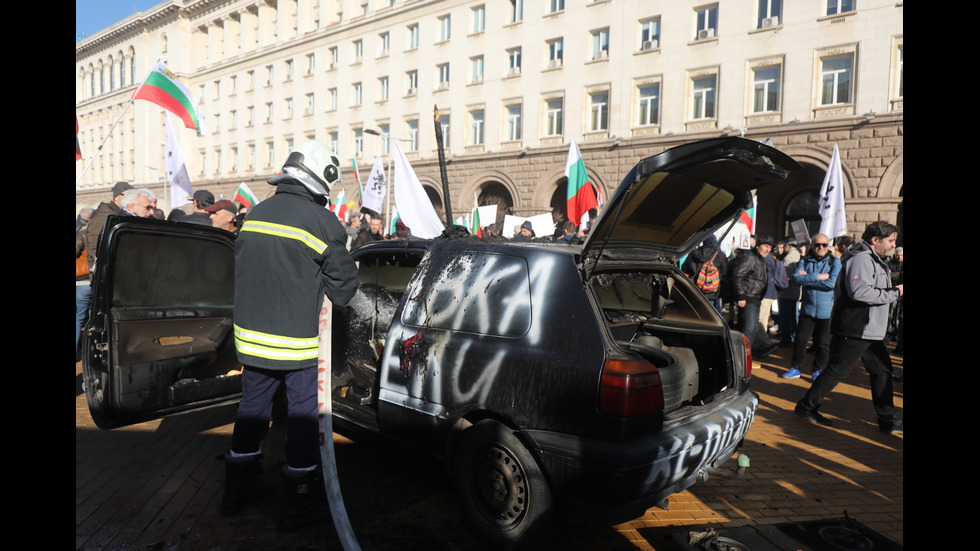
(109, 133)
(442, 167)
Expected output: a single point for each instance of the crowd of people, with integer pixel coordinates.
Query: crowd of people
(844, 301)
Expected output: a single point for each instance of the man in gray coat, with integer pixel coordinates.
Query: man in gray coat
(859, 325)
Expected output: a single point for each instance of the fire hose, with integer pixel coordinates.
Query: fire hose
(328, 456)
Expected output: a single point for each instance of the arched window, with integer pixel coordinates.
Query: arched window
(495, 193)
(805, 206)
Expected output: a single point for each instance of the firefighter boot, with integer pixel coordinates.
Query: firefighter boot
(304, 499)
(241, 481)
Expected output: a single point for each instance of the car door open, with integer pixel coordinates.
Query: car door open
(160, 335)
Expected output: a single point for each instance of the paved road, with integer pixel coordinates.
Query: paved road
(157, 485)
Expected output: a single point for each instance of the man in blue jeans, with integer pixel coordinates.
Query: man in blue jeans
(859, 325)
(750, 280)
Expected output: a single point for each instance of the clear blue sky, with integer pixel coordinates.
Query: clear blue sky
(91, 16)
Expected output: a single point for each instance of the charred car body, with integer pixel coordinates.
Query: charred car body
(588, 381)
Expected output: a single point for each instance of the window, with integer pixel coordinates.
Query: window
(217, 123)
(476, 127)
(233, 115)
(476, 64)
(413, 36)
(650, 34)
(413, 135)
(234, 85)
(553, 117)
(412, 78)
(357, 91)
(358, 50)
(557, 5)
(251, 79)
(251, 156)
(444, 125)
(555, 52)
(251, 115)
(384, 43)
(122, 73)
(839, 6)
(703, 102)
(112, 76)
(310, 105)
(599, 111)
(648, 110)
(334, 57)
(234, 159)
(332, 98)
(270, 153)
(335, 142)
(269, 73)
(436, 304)
(707, 22)
(358, 142)
(289, 69)
(443, 76)
(516, 10)
(770, 13)
(132, 69)
(479, 19)
(600, 44)
(204, 162)
(383, 89)
(217, 161)
(385, 144)
(268, 112)
(835, 80)
(765, 89)
(289, 109)
(513, 122)
(901, 71)
(514, 61)
(445, 26)
(310, 63)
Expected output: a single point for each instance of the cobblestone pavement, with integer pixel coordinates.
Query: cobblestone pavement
(157, 485)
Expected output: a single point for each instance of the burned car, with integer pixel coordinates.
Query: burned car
(557, 381)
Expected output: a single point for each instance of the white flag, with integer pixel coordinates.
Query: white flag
(412, 202)
(181, 190)
(376, 188)
(833, 221)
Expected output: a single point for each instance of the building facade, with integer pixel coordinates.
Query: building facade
(514, 81)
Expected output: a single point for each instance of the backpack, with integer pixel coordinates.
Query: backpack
(708, 280)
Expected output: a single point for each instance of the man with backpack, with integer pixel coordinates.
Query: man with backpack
(706, 267)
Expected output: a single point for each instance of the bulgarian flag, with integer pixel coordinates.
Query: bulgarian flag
(748, 216)
(475, 224)
(163, 88)
(340, 206)
(78, 148)
(580, 196)
(245, 196)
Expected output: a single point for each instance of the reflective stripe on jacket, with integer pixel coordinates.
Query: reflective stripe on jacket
(290, 253)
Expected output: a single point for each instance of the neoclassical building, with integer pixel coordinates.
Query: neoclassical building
(514, 81)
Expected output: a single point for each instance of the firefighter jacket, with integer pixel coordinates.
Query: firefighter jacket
(290, 252)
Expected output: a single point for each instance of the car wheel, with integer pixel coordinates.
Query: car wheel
(503, 490)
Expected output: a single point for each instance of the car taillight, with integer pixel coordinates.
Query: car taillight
(630, 387)
(748, 356)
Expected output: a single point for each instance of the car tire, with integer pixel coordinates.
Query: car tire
(502, 487)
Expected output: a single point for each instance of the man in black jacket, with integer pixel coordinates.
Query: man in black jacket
(290, 253)
(750, 279)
